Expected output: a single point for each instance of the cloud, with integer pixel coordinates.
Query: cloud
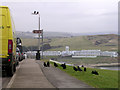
(100, 12)
(65, 16)
(96, 12)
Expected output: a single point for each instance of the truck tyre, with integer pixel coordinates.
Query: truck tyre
(17, 63)
(19, 59)
(10, 71)
(14, 68)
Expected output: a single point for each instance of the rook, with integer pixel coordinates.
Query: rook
(95, 72)
(79, 69)
(45, 64)
(75, 69)
(85, 69)
(64, 66)
(48, 64)
(55, 64)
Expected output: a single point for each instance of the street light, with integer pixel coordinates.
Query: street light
(39, 31)
(37, 13)
(38, 52)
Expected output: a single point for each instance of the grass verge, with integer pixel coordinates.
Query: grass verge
(105, 79)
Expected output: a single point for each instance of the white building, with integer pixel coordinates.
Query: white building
(95, 53)
(87, 53)
(108, 53)
(51, 53)
(84, 53)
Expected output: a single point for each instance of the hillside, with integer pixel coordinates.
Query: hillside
(103, 42)
(47, 34)
(29, 35)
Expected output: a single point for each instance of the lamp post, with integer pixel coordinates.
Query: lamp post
(42, 43)
(38, 52)
(37, 13)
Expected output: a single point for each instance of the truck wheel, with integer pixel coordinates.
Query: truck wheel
(14, 68)
(19, 59)
(17, 63)
(10, 71)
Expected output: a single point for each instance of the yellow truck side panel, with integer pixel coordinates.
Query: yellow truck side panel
(8, 42)
(6, 32)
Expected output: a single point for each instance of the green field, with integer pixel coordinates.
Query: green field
(105, 79)
(102, 42)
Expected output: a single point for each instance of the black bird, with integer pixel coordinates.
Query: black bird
(48, 64)
(85, 69)
(75, 69)
(64, 66)
(95, 72)
(61, 65)
(82, 66)
(55, 64)
(79, 69)
(44, 64)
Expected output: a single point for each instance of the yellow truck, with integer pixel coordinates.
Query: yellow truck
(7, 42)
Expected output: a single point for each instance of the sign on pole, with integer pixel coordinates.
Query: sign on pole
(37, 31)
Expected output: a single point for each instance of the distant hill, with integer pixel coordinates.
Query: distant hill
(93, 33)
(57, 34)
(107, 39)
(46, 34)
(106, 42)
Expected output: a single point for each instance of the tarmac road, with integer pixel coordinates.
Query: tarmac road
(29, 75)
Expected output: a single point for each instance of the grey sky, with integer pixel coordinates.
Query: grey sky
(66, 16)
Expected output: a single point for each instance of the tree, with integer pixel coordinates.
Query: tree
(45, 47)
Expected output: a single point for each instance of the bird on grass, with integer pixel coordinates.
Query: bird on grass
(95, 72)
(85, 69)
(82, 66)
(55, 64)
(63, 65)
(74, 68)
(48, 64)
(79, 69)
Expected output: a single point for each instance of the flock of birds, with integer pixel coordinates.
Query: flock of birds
(47, 64)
